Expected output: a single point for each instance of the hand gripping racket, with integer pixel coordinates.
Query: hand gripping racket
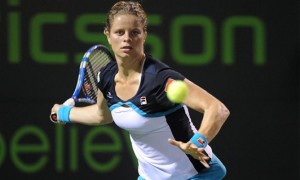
(93, 60)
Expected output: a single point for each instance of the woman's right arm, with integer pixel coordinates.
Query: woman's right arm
(97, 114)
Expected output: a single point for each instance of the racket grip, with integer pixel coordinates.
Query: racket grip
(68, 102)
(53, 117)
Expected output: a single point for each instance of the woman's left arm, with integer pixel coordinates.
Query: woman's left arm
(215, 114)
(214, 111)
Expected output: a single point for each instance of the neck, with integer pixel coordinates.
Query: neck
(128, 68)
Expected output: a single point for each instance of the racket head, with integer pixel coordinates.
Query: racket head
(93, 60)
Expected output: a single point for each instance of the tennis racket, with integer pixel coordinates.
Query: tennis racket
(93, 60)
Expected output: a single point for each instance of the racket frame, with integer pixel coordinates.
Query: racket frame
(80, 81)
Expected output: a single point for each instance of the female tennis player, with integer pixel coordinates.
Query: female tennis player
(132, 93)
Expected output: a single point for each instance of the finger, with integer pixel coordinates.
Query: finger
(200, 150)
(54, 108)
(205, 164)
(190, 147)
(206, 157)
(173, 142)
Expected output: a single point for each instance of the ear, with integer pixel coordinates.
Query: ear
(145, 36)
(106, 32)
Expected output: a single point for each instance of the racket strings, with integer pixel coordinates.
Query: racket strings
(97, 59)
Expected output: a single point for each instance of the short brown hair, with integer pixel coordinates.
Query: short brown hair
(126, 7)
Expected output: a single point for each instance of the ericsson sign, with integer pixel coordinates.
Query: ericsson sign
(214, 39)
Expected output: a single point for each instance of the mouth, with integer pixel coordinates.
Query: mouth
(126, 48)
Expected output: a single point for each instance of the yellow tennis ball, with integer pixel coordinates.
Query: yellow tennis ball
(177, 91)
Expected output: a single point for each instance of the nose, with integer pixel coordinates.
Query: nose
(127, 37)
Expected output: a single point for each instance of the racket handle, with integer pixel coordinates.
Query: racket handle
(68, 102)
(53, 117)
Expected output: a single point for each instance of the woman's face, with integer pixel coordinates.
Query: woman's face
(127, 36)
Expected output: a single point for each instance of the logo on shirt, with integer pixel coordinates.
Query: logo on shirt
(168, 83)
(143, 100)
(108, 95)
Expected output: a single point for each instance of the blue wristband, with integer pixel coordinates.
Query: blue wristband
(199, 140)
(63, 113)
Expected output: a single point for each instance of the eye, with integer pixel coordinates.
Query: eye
(119, 32)
(135, 33)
